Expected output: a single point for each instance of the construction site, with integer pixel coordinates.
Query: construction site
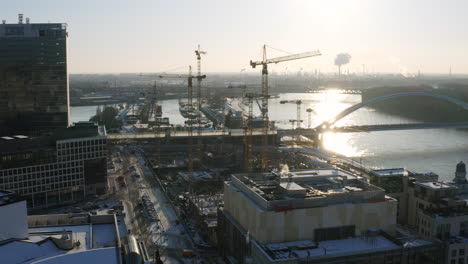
(188, 164)
(210, 175)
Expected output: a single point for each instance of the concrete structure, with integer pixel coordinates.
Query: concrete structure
(33, 78)
(13, 220)
(313, 216)
(205, 212)
(56, 169)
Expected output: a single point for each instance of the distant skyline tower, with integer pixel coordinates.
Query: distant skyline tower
(460, 173)
(34, 93)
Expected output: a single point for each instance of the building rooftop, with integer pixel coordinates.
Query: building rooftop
(331, 248)
(23, 28)
(306, 188)
(66, 239)
(8, 197)
(391, 172)
(435, 185)
(197, 176)
(21, 143)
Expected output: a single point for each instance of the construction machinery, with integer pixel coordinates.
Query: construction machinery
(198, 53)
(264, 62)
(190, 122)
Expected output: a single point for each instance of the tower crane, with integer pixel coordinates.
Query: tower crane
(198, 53)
(248, 131)
(189, 78)
(264, 62)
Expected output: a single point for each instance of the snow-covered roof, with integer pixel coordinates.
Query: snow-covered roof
(391, 172)
(197, 176)
(93, 243)
(348, 246)
(435, 185)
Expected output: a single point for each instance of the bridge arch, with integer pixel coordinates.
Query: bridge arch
(372, 101)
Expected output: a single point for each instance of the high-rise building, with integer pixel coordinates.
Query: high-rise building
(34, 93)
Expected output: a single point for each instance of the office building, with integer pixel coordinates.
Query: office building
(55, 169)
(313, 216)
(33, 77)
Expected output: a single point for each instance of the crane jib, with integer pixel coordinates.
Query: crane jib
(286, 58)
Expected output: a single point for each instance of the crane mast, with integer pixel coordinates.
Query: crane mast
(198, 53)
(248, 131)
(264, 62)
(189, 78)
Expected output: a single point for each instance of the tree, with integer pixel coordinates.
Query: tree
(107, 117)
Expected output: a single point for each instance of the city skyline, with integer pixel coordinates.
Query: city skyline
(384, 37)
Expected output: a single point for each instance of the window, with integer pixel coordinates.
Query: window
(461, 261)
(461, 252)
(454, 253)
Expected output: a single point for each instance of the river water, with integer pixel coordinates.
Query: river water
(432, 150)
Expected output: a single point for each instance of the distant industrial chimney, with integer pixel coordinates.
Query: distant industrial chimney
(3, 21)
(27, 20)
(20, 18)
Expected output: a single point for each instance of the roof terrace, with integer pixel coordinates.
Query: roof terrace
(306, 188)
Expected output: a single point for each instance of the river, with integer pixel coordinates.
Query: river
(432, 150)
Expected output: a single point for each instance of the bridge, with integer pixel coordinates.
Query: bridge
(393, 127)
(330, 124)
(236, 135)
(336, 90)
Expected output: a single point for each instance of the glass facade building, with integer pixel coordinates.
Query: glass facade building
(34, 93)
(56, 169)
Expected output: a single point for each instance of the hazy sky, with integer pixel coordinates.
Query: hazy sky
(152, 35)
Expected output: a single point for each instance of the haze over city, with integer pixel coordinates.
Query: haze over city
(149, 36)
(233, 132)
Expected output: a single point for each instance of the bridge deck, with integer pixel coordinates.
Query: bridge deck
(289, 132)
